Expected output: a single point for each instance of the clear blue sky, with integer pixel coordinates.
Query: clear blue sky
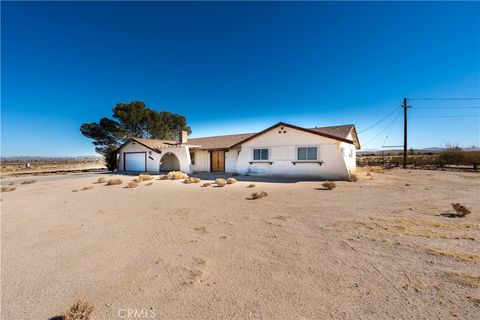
(237, 67)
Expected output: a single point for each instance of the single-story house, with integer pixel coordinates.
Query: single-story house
(280, 150)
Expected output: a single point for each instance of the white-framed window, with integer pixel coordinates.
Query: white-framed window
(260, 154)
(307, 153)
(192, 157)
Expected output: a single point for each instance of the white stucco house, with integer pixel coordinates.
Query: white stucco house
(280, 150)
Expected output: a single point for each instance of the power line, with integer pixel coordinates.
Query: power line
(432, 99)
(388, 126)
(449, 116)
(373, 125)
(447, 107)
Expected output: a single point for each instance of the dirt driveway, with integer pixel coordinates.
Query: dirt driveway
(375, 249)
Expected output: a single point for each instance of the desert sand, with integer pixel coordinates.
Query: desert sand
(378, 248)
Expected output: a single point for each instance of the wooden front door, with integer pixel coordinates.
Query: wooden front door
(217, 161)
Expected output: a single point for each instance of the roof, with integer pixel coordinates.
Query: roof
(220, 142)
(339, 133)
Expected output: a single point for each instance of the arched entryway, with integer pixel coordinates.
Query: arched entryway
(169, 162)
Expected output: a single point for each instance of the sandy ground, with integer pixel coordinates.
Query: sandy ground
(374, 249)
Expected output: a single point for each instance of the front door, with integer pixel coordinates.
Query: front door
(217, 161)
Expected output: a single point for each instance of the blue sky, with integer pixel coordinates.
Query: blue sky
(238, 67)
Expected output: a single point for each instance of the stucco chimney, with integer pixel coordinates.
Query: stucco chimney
(182, 137)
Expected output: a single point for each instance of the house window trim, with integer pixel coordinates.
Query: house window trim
(307, 146)
(261, 160)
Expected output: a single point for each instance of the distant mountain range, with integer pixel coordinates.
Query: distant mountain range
(64, 159)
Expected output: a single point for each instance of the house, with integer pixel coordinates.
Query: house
(280, 150)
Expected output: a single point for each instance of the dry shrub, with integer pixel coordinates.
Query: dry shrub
(192, 180)
(206, 184)
(114, 182)
(29, 181)
(329, 185)
(163, 177)
(145, 177)
(220, 182)
(148, 184)
(137, 180)
(201, 229)
(461, 210)
(202, 262)
(258, 195)
(353, 177)
(369, 174)
(75, 190)
(251, 185)
(231, 180)
(132, 184)
(197, 274)
(475, 300)
(80, 310)
(465, 279)
(102, 180)
(87, 188)
(177, 175)
(8, 188)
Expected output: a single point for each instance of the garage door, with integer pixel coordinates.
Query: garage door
(135, 161)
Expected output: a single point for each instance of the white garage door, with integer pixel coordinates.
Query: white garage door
(135, 161)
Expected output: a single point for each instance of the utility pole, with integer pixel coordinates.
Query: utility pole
(405, 133)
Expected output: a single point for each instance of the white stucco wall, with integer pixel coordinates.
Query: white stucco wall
(231, 160)
(202, 161)
(154, 158)
(283, 150)
(349, 154)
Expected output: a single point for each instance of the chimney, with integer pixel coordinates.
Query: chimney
(182, 137)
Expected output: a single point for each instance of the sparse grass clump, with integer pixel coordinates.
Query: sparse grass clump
(137, 180)
(206, 184)
(192, 180)
(201, 229)
(148, 184)
(258, 195)
(9, 188)
(132, 184)
(87, 188)
(461, 210)
(465, 279)
(177, 175)
(163, 177)
(75, 190)
(220, 182)
(29, 181)
(231, 180)
(145, 177)
(353, 177)
(102, 180)
(114, 182)
(80, 310)
(329, 185)
(251, 185)
(464, 256)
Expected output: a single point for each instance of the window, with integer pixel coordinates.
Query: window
(260, 154)
(307, 153)
(192, 157)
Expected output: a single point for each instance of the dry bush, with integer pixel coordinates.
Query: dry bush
(353, 177)
(75, 190)
(220, 182)
(369, 174)
(132, 184)
(329, 185)
(114, 182)
(87, 188)
(148, 184)
(163, 177)
(251, 185)
(177, 175)
(472, 281)
(461, 210)
(258, 195)
(145, 177)
(453, 154)
(137, 180)
(102, 180)
(201, 229)
(206, 184)
(29, 181)
(231, 180)
(464, 256)
(80, 310)
(8, 188)
(192, 180)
